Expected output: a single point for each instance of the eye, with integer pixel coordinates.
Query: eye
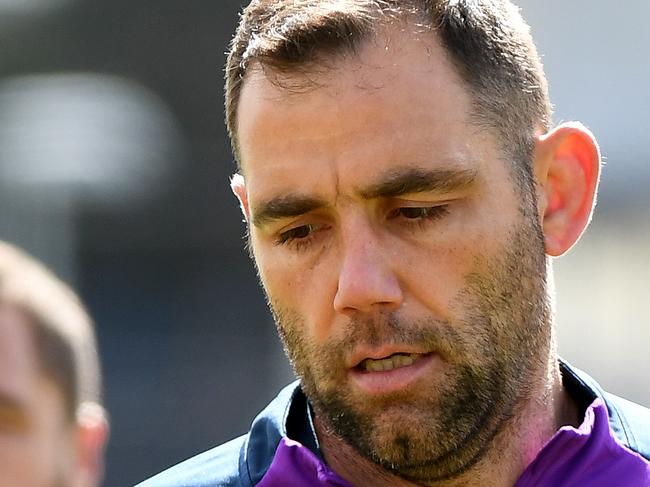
(298, 233)
(420, 213)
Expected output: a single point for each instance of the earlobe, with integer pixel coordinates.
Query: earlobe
(92, 436)
(567, 169)
(238, 187)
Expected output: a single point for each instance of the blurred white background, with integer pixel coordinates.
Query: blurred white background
(597, 59)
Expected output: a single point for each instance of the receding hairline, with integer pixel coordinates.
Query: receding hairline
(292, 82)
(489, 44)
(306, 75)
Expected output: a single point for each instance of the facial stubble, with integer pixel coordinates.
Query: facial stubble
(492, 354)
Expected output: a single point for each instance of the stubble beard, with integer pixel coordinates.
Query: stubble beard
(493, 354)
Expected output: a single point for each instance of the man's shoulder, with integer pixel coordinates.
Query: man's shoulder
(632, 422)
(238, 463)
(216, 467)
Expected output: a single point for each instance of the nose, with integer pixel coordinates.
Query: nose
(366, 281)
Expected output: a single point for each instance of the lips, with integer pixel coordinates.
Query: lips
(389, 371)
(394, 361)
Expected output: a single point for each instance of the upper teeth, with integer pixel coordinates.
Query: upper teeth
(393, 362)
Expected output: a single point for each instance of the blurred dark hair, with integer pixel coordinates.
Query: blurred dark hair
(62, 331)
(487, 40)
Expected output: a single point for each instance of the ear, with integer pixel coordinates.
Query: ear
(567, 169)
(92, 436)
(238, 187)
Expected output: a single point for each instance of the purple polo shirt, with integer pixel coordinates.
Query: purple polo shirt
(588, 456)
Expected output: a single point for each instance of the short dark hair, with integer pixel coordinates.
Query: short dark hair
(63, 333)
(487, 40)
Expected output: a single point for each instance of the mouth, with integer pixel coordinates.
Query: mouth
(395, 372)
(392, 362)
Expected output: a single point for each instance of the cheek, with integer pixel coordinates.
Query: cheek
(16, 462)
(28, 461)
(284, 282)
(305, 287)
(55, 443)
(433, 272)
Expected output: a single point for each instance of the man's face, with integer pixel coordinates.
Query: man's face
(36, 438)
(404, 268)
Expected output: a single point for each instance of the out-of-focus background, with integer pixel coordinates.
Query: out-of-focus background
(114, 166)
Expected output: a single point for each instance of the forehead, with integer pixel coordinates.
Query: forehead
(397, 101)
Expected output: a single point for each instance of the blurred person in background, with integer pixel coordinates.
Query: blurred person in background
(53, 428)
(404, 192)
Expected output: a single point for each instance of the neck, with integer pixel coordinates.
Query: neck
(515, 446)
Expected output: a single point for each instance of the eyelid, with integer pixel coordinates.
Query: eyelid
(284, 237)
(431, 211)
(293, 223)
(396, 205)
(422, 199)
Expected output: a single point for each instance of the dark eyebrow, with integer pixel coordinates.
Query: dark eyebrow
(284, 206)
(416, 180)
(395, 183)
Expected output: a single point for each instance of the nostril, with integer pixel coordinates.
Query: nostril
(367, 290)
